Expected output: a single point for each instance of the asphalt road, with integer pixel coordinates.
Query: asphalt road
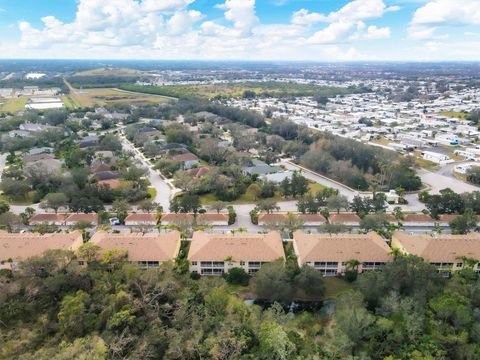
(164, 190)
(438, 181)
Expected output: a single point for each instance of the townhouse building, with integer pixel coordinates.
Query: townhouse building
(146, 250)
(216, 254)
(333, 254)
(15, 247)
(448, 253)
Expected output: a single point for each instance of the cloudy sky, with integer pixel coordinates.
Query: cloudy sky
(319, 30)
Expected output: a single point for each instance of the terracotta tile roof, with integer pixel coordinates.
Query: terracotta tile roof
(92, 218)
(185, 157)
(141, 247)
(392, 218)
(418, 218)
(441, 248)
(343, 218)
(21, 246)
(311, 217)
(141, 217)
(272, 217)
(101, 168)
(198, 172)
(210, 217)
(112, 183)
(447, 217)
(277, 217)
(176, 217)
(340, 247)
(40, 218)
(246, 247)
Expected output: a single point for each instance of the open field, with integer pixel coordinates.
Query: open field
(271, 88)
(14, 105)
(108, 96)
(208, 91)
(109, 72)
(454, 114)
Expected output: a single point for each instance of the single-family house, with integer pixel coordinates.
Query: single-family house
(186, 160)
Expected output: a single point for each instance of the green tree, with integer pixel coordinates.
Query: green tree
(465, 223)
(237, 276)
(72, 314)
(274, 342)
(337, 203)
(272, 282)
(55, 201)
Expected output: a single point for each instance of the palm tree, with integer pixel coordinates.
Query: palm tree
(239, 230)
(468, 262)
(353, 264)
(396, 253)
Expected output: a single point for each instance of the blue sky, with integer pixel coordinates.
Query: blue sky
(322, 30)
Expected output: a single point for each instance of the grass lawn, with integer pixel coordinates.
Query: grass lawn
(108, 96)
(14, 105)
(314, 188)
(382, 141)
(20, 202)
(153, 192)
(109, 72)
(454, 114)
(425, 164)
(335, 286)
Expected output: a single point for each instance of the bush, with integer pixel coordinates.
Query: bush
(254, 217)
(351, 275)
(237, 276)
(195, 276)
(232, 215)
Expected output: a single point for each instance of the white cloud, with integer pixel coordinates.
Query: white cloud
(183, 21)
(171, 29)
(165, 5)
(344, 22)
(436, 13)
(241, 13)
(372, 33)
(304, 17)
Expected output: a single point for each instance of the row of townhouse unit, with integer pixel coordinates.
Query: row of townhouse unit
(353, 220)
(216, 254)
(134, 219)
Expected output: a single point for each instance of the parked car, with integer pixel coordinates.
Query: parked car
(114, 221)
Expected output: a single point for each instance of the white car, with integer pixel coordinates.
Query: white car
(114, 221)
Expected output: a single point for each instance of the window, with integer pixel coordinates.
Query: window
(459, 264)
(242, 263)
(194, 263)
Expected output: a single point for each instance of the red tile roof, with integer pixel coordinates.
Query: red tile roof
(141, 247)
(246, 247)
(343, 218)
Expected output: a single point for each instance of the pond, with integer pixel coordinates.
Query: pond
(294, 307)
